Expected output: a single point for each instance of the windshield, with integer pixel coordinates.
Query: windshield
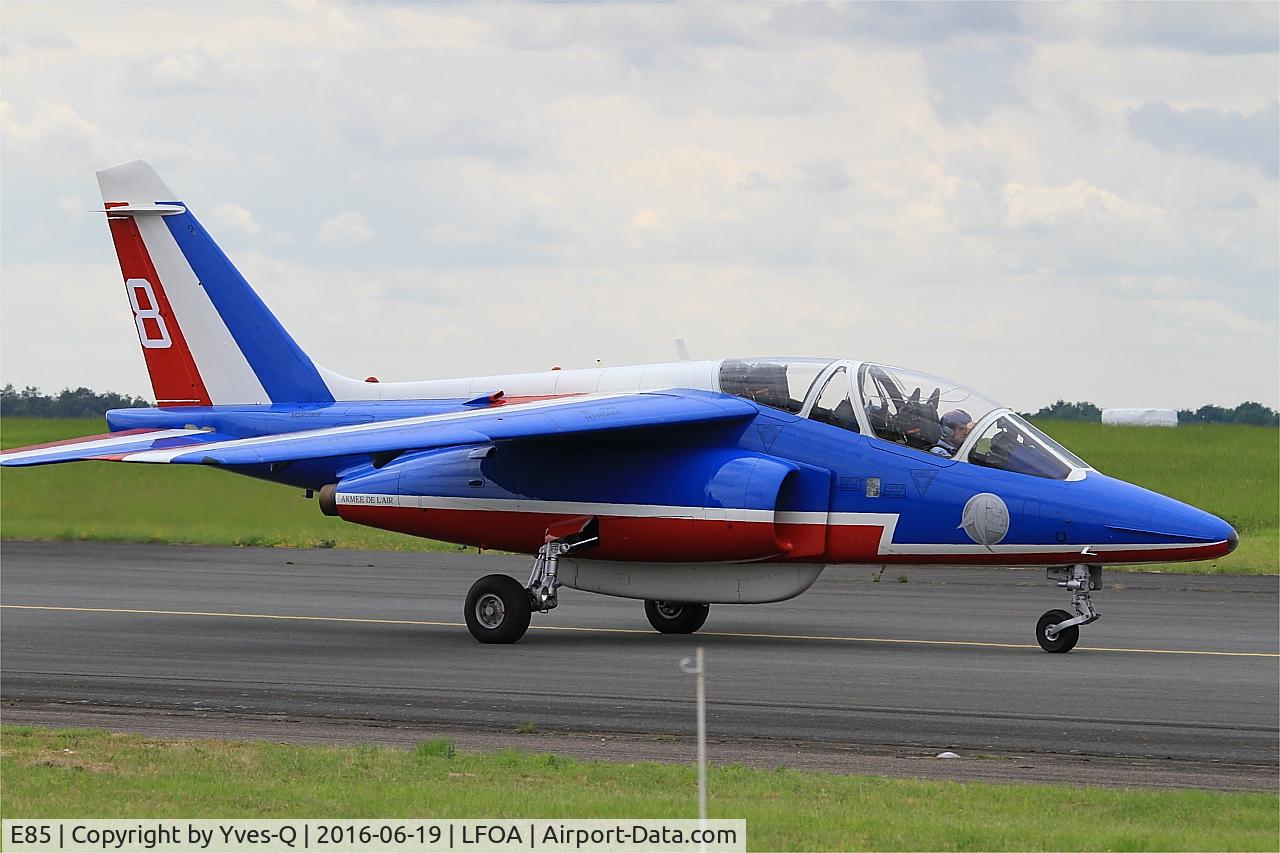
(1012, 444)
(920, 410)
(781, 383)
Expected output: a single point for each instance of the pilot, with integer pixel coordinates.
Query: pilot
(956, 426)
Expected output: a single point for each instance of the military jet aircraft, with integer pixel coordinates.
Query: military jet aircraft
(734, 481)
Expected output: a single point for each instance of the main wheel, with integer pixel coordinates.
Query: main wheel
(1065, 640)
(497, 609)
(675, 617)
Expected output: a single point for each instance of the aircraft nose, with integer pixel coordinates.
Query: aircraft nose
(1143, 517)
(1174, 517)
(1179, 519)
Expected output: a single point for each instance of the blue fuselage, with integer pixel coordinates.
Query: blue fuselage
(826, 494)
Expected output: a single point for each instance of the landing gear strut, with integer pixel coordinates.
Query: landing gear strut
(498, 608)
(1058, 631)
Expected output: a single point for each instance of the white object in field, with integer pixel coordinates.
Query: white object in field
(947, 755)
(1140, 417)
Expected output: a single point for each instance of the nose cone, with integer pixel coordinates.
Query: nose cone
(1146, 526)
(1174, 519)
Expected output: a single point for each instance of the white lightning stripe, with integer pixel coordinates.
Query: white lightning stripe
(268, 440)
(103, 444)
(223, 369)
(696, 513)
(887, 522)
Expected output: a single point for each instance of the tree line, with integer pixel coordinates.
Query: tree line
(84, 403)
(1248, 412)
(67, 403)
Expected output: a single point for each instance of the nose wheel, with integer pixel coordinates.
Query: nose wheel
(1053, 639)
(1058, 631)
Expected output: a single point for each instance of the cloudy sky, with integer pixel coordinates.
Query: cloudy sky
(1044, 201)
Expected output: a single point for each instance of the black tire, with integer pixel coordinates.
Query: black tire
(676, 617)
(1065, 640)
(497, 609)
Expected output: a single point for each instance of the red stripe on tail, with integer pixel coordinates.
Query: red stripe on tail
(175, 378)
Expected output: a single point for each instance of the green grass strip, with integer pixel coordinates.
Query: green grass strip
(77, 773)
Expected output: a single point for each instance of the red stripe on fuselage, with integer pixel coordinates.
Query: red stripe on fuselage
(659, 540)
(531, 398)
(175, 379)
(621, 538)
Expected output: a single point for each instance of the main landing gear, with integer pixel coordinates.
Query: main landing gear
(675, 617)
(498, 608)
(1058, 631)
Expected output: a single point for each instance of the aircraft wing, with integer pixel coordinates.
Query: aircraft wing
(111, 446)
(565, 416)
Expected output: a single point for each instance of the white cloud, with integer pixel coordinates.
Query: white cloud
(1077, 202)
(348, 228)
(236, 218)
(644, 219)
(824, 176)
(54, 131)
(74, 206)
(1205, 27)
(192, 71)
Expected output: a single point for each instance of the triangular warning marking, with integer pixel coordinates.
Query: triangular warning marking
(922, 477)
(768, 435)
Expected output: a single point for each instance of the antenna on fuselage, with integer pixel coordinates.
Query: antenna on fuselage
(682, 351)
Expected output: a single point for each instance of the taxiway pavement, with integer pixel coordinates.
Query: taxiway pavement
(1180, 667)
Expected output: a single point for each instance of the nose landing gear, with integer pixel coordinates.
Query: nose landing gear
(1058, 631)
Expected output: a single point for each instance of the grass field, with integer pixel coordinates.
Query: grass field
(1232, 471)
(70, 773)
(164, 503)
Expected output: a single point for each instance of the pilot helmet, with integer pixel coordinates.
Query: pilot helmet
(952, 421)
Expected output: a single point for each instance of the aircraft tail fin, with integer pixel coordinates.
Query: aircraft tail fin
(206, 336)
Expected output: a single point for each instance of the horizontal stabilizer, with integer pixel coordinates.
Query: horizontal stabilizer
(134, 209)
(110, 446)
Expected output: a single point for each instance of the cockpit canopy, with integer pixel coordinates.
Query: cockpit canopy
(916, 410)
(780, 383)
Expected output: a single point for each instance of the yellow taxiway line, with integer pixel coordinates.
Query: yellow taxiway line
(734, 634)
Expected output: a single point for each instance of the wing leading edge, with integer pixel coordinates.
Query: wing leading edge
(111, 447)
(566, 416)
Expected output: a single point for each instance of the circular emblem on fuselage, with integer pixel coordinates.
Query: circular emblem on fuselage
(985, 519)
